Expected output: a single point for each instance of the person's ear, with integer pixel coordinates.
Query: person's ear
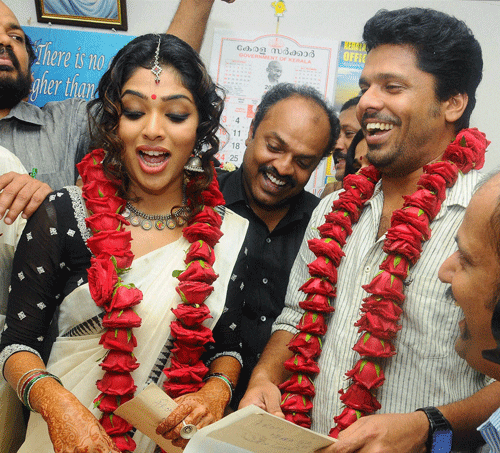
(455, 107)
(250, 135)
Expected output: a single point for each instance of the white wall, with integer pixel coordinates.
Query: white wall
(337, 19)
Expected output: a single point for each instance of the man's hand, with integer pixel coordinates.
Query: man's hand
(20, 193)
(384, 433)
(264, 394)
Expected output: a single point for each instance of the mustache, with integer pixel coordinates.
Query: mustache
(383, 118)
(449, 294)
(11, 54)
(270, 169)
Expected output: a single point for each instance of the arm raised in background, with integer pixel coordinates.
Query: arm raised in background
(190, 21)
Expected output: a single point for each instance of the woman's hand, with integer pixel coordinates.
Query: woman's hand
(72, 427)
(202, 408)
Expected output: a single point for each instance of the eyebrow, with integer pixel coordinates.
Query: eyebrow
(467, 256)
(172, 97)
(383, 76)
(284, 144)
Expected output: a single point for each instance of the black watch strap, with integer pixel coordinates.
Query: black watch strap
(440, 431)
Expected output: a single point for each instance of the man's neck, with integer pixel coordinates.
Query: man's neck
(270, 217)
(4, 113)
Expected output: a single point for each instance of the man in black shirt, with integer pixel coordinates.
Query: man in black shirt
(292, 131)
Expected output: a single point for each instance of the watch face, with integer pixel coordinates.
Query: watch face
(441, 441)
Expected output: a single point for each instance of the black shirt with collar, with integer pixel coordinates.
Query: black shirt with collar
(257, 289)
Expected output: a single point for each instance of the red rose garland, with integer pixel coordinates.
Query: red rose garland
(110, 245)
(381, 310)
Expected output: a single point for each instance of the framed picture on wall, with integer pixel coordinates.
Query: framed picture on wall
(83, 13)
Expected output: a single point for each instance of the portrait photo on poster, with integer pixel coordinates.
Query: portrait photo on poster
(83, 13)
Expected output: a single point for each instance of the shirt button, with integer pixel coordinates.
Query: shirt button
(265, 280)
(367, 269)
(268, 240)
(263, 318)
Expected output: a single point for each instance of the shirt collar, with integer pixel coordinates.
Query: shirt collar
(27, 113)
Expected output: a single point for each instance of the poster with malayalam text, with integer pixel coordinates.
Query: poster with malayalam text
(247, 65)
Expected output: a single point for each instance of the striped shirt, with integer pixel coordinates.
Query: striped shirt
(490, 430)
(426, 370)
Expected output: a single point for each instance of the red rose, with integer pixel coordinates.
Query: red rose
(298, 418)
(386, 285)
(198, 271)
(102, 280)
(347, 417)
(306, 344)
(121, 319)
(367, 373)
(406, 232)
(185, 374)
(301, 364)
(434, 183)
(190, 315)
(121, 339)
(91, 160)
(323, 267)
(467, 150)
(351, 207)
(100, 188)
(188, 354)
(123, 258)
(425, 200)
(397, 265)
(198, 335)
(109, 403)
(298, 383)
(360, 398)
(386, 308)
(447, 170)
(114, 425)
(202, 231)
(334, 432)
(327, 247)
(371, 173)
(124, 443)
(109, 242)
(119, 362)
(370, 345)
(317, 302)
(334, 231)
(101, 205)
(175, 389)
(312, 322)
(363, 185)
(401, 246)
(106, 221)
(194, 292)
(200, 250)
(116, 383)
(295, 403)
(378, 326)
(125, 296)
(415, 217)
(340, 218)
(318, 286)
(207, 215)
(212, 196)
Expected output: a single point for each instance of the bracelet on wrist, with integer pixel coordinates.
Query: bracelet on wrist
(226, 379)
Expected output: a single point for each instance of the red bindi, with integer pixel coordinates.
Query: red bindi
(153, 96)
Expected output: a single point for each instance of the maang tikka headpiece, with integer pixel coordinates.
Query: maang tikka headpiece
(157, 69)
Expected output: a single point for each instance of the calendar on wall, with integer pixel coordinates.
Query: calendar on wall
(247, 65)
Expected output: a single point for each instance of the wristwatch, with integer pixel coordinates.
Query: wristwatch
(440, 432)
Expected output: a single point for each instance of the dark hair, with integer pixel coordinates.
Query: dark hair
(353, 102)
(31, 52)
(445, 47)
(283, 91)
(105, 111)
(351, 166)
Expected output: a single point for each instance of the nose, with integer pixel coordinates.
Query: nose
(284, 164)
(370, 101)
(448, 268)
(154, 128)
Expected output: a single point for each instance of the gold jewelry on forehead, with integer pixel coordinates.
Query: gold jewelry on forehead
(157, 69)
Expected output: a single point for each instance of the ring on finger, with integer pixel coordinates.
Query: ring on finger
(188, 430)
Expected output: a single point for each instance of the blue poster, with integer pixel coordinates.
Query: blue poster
(70, 63)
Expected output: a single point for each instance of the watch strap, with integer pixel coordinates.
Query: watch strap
(437, 422)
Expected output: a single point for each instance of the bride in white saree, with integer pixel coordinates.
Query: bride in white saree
(158, 112)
